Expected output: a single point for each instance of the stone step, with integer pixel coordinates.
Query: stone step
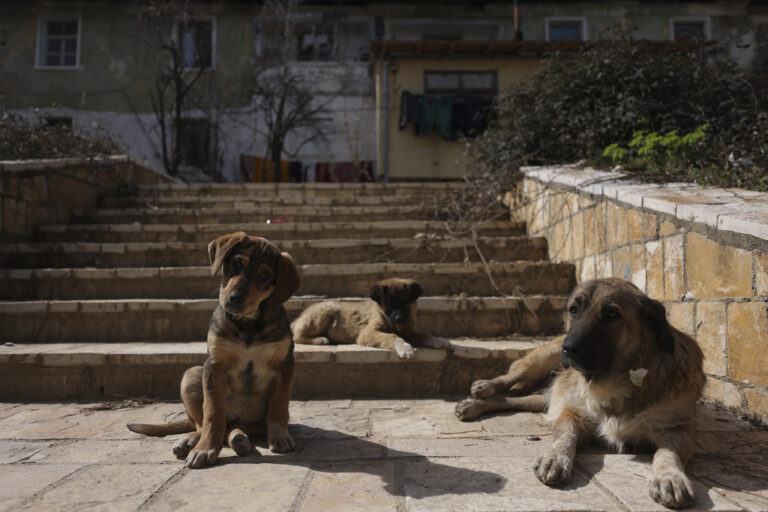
(237, 202)
(141, 369)
(136, 254)
(251, 214)
(113, 233)
(184, 320)
(333, 190)
(323, 280)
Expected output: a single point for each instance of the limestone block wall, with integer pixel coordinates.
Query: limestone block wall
(36, 192)
(702, 251)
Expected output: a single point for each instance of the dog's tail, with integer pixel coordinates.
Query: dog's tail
(176, 427)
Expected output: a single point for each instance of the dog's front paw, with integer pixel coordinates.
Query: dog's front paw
(482, 389)
(404, 350)
(672, 489)
(468, 409)
(182, 447)
(279, 439)
(202, 458)
(321, 340)
(553, 469)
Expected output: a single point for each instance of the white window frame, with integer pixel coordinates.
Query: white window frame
(691, 19)
(176, 40)
(550, 19)
(42, 33)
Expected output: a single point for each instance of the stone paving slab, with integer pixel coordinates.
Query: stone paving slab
(352, 454)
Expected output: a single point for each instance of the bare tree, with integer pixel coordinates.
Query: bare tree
(184, 56)
(287, 99)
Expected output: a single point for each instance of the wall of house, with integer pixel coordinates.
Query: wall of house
(109, 94)
(37, 192)
(702, 251)
(430, 156)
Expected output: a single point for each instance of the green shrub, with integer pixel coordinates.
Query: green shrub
(612, 94)
(668, 154)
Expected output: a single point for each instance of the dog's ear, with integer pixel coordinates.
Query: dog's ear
(655, 315)
(414, 290)
(287, 280)
(377, 293)
(219, 249)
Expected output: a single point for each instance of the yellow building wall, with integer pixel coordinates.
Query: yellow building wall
(430, 156)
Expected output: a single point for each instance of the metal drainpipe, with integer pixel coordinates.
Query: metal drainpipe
(385, 107)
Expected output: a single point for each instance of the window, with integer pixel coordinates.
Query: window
(460, 82)
(315, 43)
(195, 143)
(58, 42)
(687, 29)
(196, 44)
(566, 29)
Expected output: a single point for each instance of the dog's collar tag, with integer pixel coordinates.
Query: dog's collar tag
(637, 376)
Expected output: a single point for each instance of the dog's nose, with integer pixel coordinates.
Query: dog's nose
(236, 298)
(569, 355)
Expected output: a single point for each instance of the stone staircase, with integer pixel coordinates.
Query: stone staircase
(118, 303)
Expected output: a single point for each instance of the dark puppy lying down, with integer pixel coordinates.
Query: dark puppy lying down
(386, 321)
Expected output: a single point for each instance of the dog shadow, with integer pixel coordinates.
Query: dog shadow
(331, 451)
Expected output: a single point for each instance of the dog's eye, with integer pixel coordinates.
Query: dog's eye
(573, 310)
(263, 277)
(237, 265)
(610, 314)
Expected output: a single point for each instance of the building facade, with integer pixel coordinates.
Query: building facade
(106, 67)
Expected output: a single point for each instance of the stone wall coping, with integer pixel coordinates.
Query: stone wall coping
(47, 164)
(733, 210)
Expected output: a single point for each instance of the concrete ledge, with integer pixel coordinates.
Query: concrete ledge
(321, 251)
(90, 370)
(328, 280)
(136, 232)
(744, 212)
(288, 187)
(187, 320)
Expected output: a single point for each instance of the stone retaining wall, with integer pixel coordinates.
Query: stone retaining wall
(703, 251)
(36, 192)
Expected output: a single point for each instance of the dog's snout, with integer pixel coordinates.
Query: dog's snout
(236, 298)
(570, 350)
(570, 354)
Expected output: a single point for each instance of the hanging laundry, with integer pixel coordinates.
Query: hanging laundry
(410, 109)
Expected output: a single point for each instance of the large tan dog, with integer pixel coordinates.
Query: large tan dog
(622, 373)
(386, 321)
(242, 390)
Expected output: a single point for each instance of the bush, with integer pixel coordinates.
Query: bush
(20, 140)
(668, 154)
(617, 97)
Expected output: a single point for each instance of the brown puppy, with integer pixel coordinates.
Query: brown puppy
(385, 322)
(242, 390)
(622, 373)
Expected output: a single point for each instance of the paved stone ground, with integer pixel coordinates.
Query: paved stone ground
(351, 455)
